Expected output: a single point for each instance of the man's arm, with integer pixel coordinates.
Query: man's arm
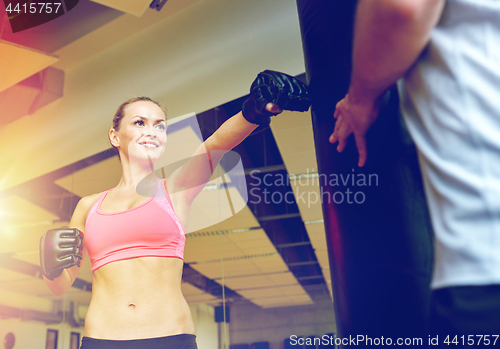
(389, 35)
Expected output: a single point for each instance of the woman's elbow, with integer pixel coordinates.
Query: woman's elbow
(57, 290)
(59, 285)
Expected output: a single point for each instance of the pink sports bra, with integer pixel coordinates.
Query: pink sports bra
(150, 229)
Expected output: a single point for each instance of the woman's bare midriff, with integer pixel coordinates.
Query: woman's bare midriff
(138, 298)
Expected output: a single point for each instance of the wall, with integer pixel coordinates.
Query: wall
(32, 334)
(207, 335)
(250, 323)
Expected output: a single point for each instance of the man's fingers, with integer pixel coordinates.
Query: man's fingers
(353, 119)
(342, 135)
(361, 145)
(332, 138)
(335, 134)
(342, 144)
(338, 108)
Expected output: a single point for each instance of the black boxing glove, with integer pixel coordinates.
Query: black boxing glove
(278, 88)
(60, 249)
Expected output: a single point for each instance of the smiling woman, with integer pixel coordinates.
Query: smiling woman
(136, 242)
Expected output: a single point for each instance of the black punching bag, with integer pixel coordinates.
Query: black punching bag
(377, 225)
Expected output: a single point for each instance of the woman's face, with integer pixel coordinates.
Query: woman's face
(142, 133)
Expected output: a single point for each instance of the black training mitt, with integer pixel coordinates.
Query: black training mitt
(274, 87)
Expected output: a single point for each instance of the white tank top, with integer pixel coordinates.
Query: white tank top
(451, 104)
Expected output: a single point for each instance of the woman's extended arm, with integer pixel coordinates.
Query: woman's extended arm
(232, 132)
(63, 282)
(192, 177)
(270, 94)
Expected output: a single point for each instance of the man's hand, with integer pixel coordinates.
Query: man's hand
(354, 116)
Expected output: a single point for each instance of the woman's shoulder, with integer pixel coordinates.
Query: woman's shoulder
(86, 203)
(89, 200)
(82, 209)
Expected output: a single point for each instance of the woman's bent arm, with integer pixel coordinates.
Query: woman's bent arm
(63, 282)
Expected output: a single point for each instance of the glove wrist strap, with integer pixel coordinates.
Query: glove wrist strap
(248, 111)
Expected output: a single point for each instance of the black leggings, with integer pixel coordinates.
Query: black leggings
(178, 341)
